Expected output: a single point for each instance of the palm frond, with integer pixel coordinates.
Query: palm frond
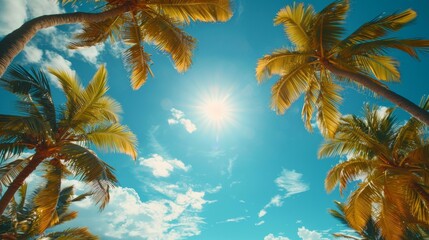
(115, 138)
(93, 33)
(72, 234)
(359, 207)
(290, 87)
(275, 63)
(135, 56)
(384, 68)
(328, 27)
(379, 27)
(345, 172)
(387, 215)
(297, 21)
(91, 169)
(168, 37)
(310, 102)
(11, 170)
(193, 10)
(328, 115)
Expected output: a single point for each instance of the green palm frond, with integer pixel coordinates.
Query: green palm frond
(290, 87)
(72, 234)
(92, 170)
(297, 21)
(275, 63)
(194, 10)
(9, 171)
(115, 138)
(162, 31)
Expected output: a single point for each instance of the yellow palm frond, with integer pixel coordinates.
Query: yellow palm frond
(164, 33)
(310, 101)
(297, 21)
(328, 26)
(194, 10)
(114, 138)
(418, 201)
(290, 87)
(391, 224)
(359, 207)
(378, 27)
(328, 115)
(346, 172)
(135, 56)
(47, 198)
(93, 33)
(10, 171)
(384, 68)
(72, 234)
(276, 63)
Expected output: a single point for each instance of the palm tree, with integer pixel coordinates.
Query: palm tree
(133, 21)
(25, 220)
(320, 60)
(393, 162)
(371, 230)
(61, 137)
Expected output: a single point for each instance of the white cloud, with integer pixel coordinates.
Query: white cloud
(306, 234)
(259, 223)
(33, 54)
(56, 61)
(215, 189)
(12, 15)
(289, 182)
(231, 162)
(179, 117)
(234, 220)
(128, 217)
(272, 237)
(162, 167)
(382, 112)
(90, 54)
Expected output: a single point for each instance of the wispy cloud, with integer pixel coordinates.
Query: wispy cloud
(54, 60)
(162, 167)
(272, 237)
(290, 183)
(259, 223)
(235, 220)
(178, 117)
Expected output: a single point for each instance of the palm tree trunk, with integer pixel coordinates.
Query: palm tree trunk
(19, 180)
(13, 43)
(405, 104)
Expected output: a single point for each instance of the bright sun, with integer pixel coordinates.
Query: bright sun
(216, 109)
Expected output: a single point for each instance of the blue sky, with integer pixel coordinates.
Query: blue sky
(256, 175)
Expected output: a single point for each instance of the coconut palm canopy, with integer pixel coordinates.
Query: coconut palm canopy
(214, 160)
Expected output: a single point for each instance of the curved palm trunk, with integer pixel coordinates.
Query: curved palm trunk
(405, 104)
(13, 43)
(19, 180)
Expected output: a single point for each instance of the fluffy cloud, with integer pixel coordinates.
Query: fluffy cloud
(32, 54)
(289, 182)
(306, 234)
(128, 217)
(272, 237)
(14, 13)
(178, 117)
(162, 167)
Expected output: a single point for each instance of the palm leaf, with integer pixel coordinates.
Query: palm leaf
(345, 172)
(384, 68)
(275, 63)
(11, 170)
(310, 102)
(297, 21)
(359, 207)
(114, 137)
(193, 10)
(328, 115)
(164, 33)
(72, 234)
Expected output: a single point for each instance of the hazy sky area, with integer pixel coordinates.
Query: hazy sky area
(250, 174)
